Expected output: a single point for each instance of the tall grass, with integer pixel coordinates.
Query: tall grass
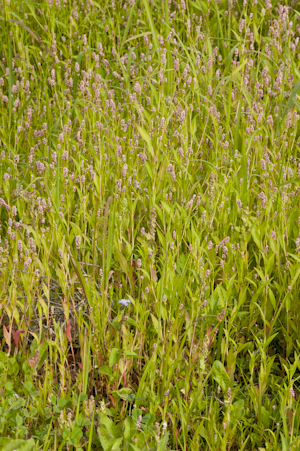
(150, 225)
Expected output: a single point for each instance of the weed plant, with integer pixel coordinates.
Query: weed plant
(150, 225)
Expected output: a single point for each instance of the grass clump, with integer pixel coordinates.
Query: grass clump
(150, 225)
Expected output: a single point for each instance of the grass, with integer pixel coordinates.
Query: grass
(149, 155)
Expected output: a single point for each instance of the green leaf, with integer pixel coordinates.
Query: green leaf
(105, 439)
(131, 397)
(79, 58)
(34, 393)
(136, 413)
(76, 433)
(104, 369)
(135, 448)
(163, 444)
(83, 397)
(113, 430)
(220, 376)
(146, 138)
(82, 421)
(86, 422)
(114, 357)
(117, 445)
(86, 364)
(238, 409)
(116, 325)
(123, 393)
(131, 322)
(285, 445)
(272, 298)
(265, 417)
(7, 444)
(151, 23)
(203, 433)
(10, 81)
(43, 350)
(33, 411)
(148, 418)
(8, 386)
(292, 99)
(130, 428)
(18, 403)
(19, 420)
(131, 16)
(29, 386)
(53, 399)
(133, 354)
(110, 238)
(61, 403)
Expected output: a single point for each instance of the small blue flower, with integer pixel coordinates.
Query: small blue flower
(124, 302)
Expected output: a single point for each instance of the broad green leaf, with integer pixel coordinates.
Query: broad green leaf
(265, 417)
(130, 428)
(113, 430)
(220, 375)
(61, 403)
(105, 438)
(76, 433)
(114, 357)
(238, 409)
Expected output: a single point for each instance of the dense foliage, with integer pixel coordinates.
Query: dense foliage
(150, 225)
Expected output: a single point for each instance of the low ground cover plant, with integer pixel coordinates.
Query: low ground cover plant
(149, 225)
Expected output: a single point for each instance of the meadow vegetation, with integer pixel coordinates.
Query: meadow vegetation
(149, 225)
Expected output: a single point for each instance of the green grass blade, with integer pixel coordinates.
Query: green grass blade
(151, 23)
(11, 82)
(292, 99)
(75, 83)
(128, 24)
(110, 239)
(283, 83)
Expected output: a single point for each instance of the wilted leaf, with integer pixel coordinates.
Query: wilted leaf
(68, 331)
(7, 336)
(16, 336)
